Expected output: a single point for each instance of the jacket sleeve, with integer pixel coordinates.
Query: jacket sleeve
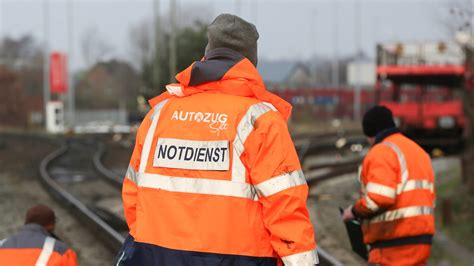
(69, 258)
(276, 174)
(378, 182)
(129, 187)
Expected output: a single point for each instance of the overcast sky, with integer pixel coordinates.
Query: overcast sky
(288, 29)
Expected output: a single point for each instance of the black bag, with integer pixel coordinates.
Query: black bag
(354, 231)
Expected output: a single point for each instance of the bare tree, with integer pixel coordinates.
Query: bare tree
(460, 19)
(141, 43)
(93, 47)
(23, 55)
(141, 35)
(21, 52)
(461, 16)
(149, 54)
(12, 101)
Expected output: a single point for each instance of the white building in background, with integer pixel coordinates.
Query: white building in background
(361, 72)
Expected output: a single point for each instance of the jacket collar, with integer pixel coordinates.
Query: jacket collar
(32, 227)
(225, 71)
(213, 68)
(385, 133)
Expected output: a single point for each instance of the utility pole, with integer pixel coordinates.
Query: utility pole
(314, 39)
(71, 91)
(172, 43)
(335, 38)
(1, 24)
(357, 31)
(238, 8)
(156, 53)
(46, 95)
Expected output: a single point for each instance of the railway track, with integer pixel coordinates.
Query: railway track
(65, 184)
(113, 177)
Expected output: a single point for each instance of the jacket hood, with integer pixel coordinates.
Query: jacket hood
(226, 71)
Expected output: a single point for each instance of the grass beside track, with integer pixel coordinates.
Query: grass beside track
(449, 185)
(461, 228)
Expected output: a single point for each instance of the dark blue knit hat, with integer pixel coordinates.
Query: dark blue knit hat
(377, 119)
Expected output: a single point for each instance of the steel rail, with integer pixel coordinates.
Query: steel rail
(103, 230)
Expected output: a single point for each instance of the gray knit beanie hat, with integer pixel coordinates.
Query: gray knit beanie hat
(233, 32)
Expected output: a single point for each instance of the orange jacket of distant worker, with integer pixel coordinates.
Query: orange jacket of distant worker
(214, 178)
(397, 200)
(34, 246)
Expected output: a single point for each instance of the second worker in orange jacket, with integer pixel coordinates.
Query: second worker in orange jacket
(397, 194)
(35, 244)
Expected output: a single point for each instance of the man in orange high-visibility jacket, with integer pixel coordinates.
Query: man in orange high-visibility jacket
(214, 178)
(397, 194)
(35, 244)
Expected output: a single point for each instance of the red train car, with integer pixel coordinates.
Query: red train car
(424, 81)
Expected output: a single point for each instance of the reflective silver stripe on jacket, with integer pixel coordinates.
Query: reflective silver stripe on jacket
(371, 204)
(221, 187)
(131, 174)
(402, 213)
(244, 129)
(48, 248)
(149, 136)
(402, 161)
(197, 185)
(380, 189)
(359, 174)
(415, 184)
(280, 183)
(308, 258)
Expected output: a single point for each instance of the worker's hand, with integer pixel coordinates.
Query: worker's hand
(347, 214)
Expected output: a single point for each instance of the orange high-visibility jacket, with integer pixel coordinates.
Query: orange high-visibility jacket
(33, 246)
(407, 254)
(214, 171)
(397, 194)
